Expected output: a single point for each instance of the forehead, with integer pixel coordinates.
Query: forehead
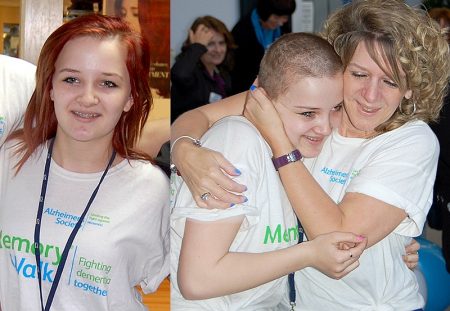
(92, 53)
(217, 36)
(313, 92)
(375, 55)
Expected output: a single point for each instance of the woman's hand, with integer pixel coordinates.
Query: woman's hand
(260, 110)
(207, 171)
(201, 35)
(411, 258)
(329, 257)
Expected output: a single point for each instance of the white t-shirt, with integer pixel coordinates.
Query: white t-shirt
(17, 83)
(269, 222)
(123, 242)
(398, 168)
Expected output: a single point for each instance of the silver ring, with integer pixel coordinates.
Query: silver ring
(205, 196)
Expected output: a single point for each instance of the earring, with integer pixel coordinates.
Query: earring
(409, 115)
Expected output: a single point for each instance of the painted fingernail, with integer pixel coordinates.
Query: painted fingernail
(237, 171)
(232, 204)
(245, 199)
(253, 87)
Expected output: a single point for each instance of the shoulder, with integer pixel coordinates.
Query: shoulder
(237, 128)
(244, 25)
(414, 143)
(416, 133)
(11, 67)
(144, 174)
(237, 139)
(12, 63)
(17, 83)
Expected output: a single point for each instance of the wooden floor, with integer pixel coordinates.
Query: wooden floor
(160, 300)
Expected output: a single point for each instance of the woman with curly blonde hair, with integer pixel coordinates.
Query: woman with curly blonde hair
(376, 171)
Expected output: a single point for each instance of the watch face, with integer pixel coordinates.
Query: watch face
(291, 157)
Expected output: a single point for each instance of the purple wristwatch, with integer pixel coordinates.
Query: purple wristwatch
(286, 159)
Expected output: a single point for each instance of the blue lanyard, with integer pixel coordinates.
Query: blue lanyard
(37, 228)
(291, 280)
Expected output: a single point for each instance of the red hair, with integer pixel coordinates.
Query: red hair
(40, 120)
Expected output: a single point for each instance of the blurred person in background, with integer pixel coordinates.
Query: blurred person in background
(253, 34)
(439, 215)
(201, 71)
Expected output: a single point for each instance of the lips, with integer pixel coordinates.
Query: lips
(368, 109)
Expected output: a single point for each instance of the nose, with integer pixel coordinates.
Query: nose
(370, 90)
(324, 126)
(215, 49)
(88, 97)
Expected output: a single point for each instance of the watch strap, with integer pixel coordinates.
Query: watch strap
(292, 156)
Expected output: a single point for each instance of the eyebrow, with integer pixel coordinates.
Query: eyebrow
(365, 69)
(108, 74)
(356, 65)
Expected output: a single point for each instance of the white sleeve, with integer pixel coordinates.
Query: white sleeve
(158, 264)
(402, 172)
(242, 145)
(17, 83)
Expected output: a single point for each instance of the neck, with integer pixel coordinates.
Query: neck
(82, 157)
(210, 68)
(264, 24)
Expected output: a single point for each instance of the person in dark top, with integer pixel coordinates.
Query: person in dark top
(439, 215)
(200, 74)
(253, 34)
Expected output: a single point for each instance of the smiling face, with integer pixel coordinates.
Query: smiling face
(91, 89)
(217, 49)
(306, 110)
(370, 95)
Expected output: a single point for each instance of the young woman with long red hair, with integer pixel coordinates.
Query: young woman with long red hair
(83, 215)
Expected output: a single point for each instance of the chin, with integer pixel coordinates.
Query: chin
(365, 125)
(310, 152)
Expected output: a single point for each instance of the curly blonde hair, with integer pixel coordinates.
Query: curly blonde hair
(408, 40)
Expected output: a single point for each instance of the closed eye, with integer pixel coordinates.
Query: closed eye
(358, 74)
(337, 107)
(391, 83)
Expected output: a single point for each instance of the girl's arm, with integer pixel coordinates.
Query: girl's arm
(208, 269)
(356, 212)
